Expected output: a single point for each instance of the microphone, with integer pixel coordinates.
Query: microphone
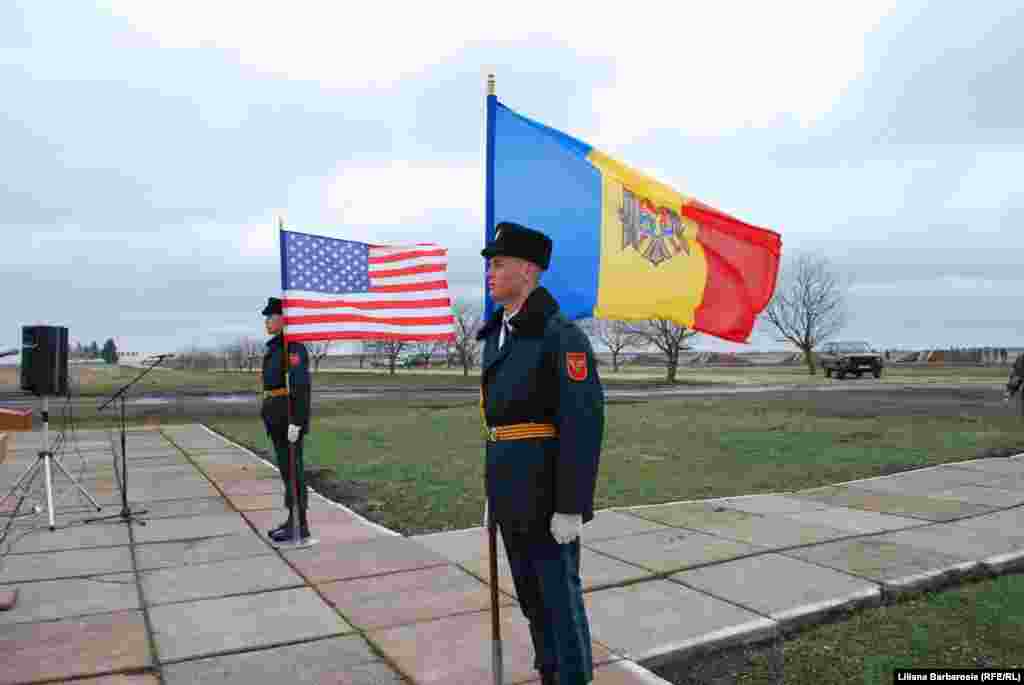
(8, 353)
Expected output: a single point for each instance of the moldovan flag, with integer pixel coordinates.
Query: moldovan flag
(625, 246)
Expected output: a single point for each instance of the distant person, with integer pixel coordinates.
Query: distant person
(286, 426)
(1015, 384)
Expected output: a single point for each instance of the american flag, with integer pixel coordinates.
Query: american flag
(344, 290)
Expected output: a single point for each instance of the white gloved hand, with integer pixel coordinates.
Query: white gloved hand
(293, 433)
(566, 527)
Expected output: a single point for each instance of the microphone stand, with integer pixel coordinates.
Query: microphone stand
(126, 515)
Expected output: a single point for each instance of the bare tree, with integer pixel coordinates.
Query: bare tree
(617, 336)
(251, 351)
(667, 336)
(318, 351)
(468, 319)
(809, 305)
(391, 348)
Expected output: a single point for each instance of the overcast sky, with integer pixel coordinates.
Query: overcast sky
(147, 150)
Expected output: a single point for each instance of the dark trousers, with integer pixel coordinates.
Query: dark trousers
(547, 580)
(280, 440)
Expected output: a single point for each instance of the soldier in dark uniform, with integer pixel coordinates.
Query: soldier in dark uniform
(1015, 383)
(283, 432)
(544, 410)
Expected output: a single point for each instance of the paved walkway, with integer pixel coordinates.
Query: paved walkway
(197, 595)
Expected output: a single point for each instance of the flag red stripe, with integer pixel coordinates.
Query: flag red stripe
(362, 318)
(400, 256)
(410, 287)
(364, 335)
(742, 266)
(299, 303)
(409, 270)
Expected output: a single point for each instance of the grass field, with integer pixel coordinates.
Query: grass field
(423, 464)
(978, 625)
(98, 381)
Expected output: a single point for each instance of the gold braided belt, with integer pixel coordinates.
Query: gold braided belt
(279, 392)
(515, 431)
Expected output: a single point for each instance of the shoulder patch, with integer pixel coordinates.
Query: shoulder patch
(294, 359)
(576, 365)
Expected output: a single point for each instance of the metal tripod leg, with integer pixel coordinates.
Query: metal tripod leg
(17, 484)
(31, 472)
(81, 488)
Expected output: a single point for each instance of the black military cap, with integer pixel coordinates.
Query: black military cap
(273, 307)
(513, 240)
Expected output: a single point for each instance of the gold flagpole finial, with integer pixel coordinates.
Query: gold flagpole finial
(491, 88)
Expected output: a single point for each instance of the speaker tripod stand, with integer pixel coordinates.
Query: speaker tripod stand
(47, 461)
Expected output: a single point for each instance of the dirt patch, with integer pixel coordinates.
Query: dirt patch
(351, 493)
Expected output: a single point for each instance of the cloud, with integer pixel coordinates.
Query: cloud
(702, 68)
(404, 192)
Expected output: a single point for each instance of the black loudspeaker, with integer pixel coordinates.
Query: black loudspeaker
(44, 360)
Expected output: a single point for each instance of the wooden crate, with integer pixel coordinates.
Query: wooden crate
(12, 420)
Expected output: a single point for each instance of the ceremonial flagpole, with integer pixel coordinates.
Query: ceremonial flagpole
(490, 102)
(294, 485)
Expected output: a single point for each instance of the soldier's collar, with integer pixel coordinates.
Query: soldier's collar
(533, 316)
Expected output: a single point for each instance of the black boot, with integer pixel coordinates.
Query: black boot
(287, 522)
(548, 678)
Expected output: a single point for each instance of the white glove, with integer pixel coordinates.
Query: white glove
(566, 527)
(293, 433)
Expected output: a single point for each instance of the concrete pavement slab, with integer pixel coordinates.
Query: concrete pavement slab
(1000, 465)
(898, 568)
(457, 650)
(409, 596)
(332, 661)
(770, 504)
(157, 493)
(144, 679)
(961, 541)
(218, 579)
(242, 545)
(694, 515)
(608, 524)
(74, 647)
(255, 502)
(263, 486)
(80, 536)
(625, 672)
(923, 481)
(779, 587)
(53, 599)
(249, 471)
(190, 528)
(194, 506)
(460, 546)
(984, 494)
(596, 571)
(653, 622)
(19, 568)
(853, 520)
(909, 506)
(212, 627)
(774, 531)
(665, 552)
(325, 563)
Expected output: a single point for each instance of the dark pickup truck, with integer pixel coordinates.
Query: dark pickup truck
(842, 358)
